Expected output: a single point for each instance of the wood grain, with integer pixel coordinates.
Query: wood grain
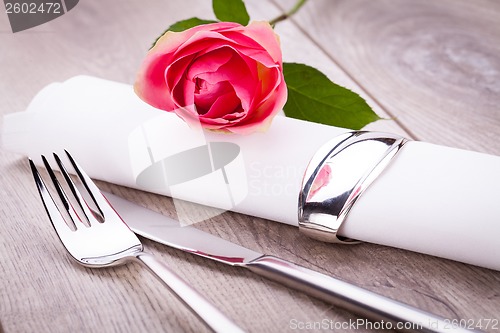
(41, 290)
(432, 65)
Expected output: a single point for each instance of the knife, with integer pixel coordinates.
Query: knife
(167, 231)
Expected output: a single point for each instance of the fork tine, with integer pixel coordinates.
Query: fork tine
(99, 200)
(76, 193)
(62, 195)
(51, 208)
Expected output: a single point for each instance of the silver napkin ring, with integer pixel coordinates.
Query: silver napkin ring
(338, 173)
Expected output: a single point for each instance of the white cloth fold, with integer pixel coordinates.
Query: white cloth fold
(115, 136)
(431, 199)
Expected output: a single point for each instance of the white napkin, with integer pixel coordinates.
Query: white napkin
(431, 199)
(115, 136)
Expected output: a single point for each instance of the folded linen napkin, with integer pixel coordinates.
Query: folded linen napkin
(431, 199)
(112, 133)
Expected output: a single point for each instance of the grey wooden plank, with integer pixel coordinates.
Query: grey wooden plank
(432, 65)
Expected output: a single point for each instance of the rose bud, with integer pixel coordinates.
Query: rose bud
(226, 76)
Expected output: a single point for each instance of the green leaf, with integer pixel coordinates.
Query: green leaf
(231, 11)
(188, 23)
(313, 97)
(184, 25)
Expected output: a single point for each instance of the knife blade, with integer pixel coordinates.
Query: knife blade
(167, 231)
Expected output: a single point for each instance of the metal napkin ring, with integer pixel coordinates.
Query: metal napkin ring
(338, 173)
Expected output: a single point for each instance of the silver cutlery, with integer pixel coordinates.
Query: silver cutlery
(165, 230)
(97, 237)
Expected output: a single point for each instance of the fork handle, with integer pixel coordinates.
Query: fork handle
(198, 304)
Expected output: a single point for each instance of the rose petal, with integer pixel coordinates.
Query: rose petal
(252, 50)
(171, 41)
(206, 41)
(262, 117)
(263, 33)
(174, 76)
(206, 98)
(270, 79)
(150, 83)
(209, 62)
(243, 80)
(225, 104)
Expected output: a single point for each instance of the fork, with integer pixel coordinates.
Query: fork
(101, 238)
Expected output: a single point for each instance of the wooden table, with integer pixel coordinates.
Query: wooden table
(431, 67)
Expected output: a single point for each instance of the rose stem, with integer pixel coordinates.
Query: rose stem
(286, 15)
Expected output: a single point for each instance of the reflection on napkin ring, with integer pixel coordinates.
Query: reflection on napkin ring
(339, 172)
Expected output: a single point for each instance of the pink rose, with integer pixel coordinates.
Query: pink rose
(224, 75)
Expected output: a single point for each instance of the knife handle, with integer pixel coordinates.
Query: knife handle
(368, 304)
